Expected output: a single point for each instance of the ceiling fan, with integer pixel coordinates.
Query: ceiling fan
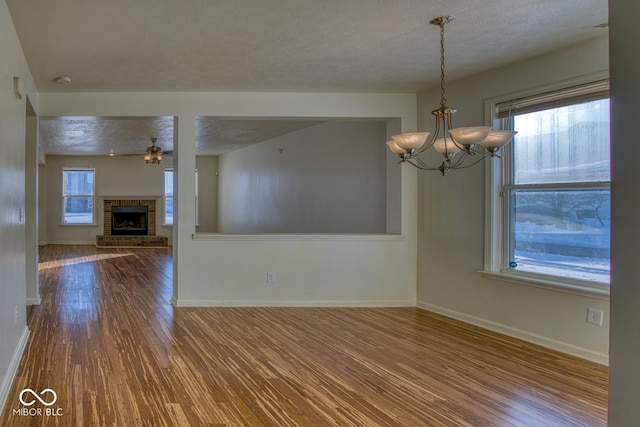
(153, 153)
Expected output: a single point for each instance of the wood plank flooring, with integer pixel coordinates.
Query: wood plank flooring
(114, 350)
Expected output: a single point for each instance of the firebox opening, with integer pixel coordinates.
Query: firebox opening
(129, 220)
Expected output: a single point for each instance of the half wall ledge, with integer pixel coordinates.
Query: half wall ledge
(383, 237)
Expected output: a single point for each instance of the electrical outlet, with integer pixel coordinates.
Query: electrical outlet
(271, 277)
(594, 316)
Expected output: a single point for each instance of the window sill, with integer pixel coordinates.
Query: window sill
(75, 224)
(595, 291)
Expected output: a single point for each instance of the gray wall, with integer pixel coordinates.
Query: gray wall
(13, 325)
(207, 194)
(624, 384)
(452, 221)
(328, 178)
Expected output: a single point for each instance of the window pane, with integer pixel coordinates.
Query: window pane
(78, 182)
(563, 233)
(78, 210)
(566, 144)
(168, 182)
(168, 210)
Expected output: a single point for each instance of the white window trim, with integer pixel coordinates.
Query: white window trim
(197, 208)
(93, 222)
(164, 197)
(495, 238)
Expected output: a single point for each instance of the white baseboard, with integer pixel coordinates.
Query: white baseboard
(258, 303)
(42, 243)
(7, 381)
(600, 358)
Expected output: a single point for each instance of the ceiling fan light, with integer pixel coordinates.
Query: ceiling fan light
(410, 141)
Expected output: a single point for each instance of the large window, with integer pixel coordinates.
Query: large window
(554, 193)
(78, 187)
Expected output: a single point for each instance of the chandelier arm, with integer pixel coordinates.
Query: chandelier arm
(459, 160)
(432, 139)
(484, 156)
(421, 166)
(449, 120)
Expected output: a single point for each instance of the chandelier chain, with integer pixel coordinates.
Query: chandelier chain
(443, 99)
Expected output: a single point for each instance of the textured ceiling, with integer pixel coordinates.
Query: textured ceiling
(269, 45)
(131, 135)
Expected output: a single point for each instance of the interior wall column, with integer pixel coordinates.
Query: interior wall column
(184, 194)
(31, 206)
(624, 335)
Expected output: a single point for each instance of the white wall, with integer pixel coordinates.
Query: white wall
(13, 329)
(31, 206)
(126, 176)
(624, 370)
(451, 241)
(207, 193)
(328, 178)
(315, 270)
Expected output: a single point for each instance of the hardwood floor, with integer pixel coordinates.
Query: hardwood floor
(114, 350)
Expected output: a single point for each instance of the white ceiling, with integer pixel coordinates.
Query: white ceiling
(278, 46)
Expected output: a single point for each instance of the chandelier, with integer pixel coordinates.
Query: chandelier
(461, 147)
(154, 153)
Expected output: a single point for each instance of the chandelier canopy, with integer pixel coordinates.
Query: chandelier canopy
(461, 147)
(154, 153)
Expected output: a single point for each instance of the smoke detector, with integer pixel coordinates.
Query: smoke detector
(62, 80)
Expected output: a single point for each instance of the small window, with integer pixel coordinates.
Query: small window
(168, 196)
(78, 187)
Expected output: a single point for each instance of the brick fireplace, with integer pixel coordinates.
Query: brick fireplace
(134, 221)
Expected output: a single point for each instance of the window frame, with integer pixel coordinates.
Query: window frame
(164, 197)
(496, 208)
(66, 196)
